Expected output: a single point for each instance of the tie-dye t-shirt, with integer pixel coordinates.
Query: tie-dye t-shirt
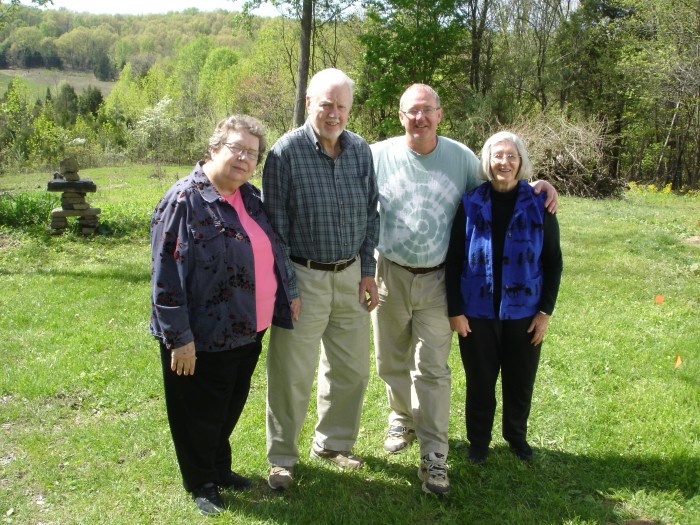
(418, 198)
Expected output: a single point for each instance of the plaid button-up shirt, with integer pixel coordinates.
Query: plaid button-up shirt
(321, 208)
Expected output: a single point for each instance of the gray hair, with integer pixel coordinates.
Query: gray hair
(329, 77)
(236, 123)
(525, 172)
(419, 87)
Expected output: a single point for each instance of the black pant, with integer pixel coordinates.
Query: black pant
(492, 346)
(203, 409)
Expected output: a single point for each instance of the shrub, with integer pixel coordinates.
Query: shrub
(26, 209)
(570, 155)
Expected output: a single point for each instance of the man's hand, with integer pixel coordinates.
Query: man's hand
(295, 305)
(368, 293)
(552, 202)
(460, 324)
(182, 359)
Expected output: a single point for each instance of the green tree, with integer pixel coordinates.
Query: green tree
(406, 41)
(312, 15)
(65, 105)
(82, 47)
(89, 101)
(15, 122)
(47, 141)
(9, 10)
(104, 70)
(217, 81)
(25, 47)
(661, 65)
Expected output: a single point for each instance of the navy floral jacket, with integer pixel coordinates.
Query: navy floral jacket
(203, 276)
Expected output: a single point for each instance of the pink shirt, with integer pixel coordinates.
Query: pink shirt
(265, 279)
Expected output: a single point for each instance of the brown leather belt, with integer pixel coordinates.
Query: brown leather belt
(420, 271)
(326, 267)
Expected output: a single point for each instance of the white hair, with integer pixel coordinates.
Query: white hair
(329, 77)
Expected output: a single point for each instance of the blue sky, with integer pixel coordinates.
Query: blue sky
(139, 7)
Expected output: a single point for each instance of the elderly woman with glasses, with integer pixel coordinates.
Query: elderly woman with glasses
(218, 282)
(503, 270)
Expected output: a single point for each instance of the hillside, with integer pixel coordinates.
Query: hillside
(39, 79)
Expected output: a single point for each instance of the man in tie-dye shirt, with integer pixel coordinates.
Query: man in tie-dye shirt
(421, 178)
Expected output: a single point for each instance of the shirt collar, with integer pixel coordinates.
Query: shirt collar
(203, 184)
(308, 129)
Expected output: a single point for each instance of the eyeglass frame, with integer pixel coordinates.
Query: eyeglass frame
(237, 149)
(508, 156)
(426, 112)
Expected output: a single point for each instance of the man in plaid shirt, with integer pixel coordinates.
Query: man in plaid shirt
(320, 193)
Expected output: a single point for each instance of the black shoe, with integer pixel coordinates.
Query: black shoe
(234, 481)
(208, 499)
(522, 450)
(478, 455)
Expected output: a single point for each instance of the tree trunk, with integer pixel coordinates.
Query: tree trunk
(304, 57)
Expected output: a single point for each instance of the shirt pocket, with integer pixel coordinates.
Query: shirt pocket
(209, 247)
(356, 199)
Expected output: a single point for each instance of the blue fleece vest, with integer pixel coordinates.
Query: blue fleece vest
(521, 285)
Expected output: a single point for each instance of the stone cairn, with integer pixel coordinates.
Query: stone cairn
(73, 203)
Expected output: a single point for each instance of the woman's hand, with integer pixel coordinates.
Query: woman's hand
(460, 324)
(182, 359)
(538, 327)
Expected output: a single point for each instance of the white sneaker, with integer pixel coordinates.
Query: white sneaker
(280, 477)
(399, 438)
(433, 474)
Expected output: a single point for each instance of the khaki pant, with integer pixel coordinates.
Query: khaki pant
(412, 340)
(331, 315)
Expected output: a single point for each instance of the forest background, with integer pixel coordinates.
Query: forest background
(606, 95)
(605, 92)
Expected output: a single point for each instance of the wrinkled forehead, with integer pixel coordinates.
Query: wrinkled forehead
(334, 93)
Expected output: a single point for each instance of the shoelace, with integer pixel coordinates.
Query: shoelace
(397, 432)
(437, 470)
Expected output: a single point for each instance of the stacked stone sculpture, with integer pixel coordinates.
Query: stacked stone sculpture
(73, 202)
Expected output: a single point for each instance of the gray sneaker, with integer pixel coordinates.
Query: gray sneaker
(433, 474)
(280, 477)
(343, 459)
(399, 438)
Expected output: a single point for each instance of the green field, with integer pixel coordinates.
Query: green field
(616, 412)
(39, 79)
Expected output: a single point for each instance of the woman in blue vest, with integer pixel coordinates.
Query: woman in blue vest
(503, 271)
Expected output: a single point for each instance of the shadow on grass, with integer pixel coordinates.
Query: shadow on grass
(555, 487)
(126, 272)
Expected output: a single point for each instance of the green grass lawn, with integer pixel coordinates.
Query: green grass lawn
(615, 425)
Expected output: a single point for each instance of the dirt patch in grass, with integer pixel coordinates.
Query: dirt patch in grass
(694, 240)
(8, 241)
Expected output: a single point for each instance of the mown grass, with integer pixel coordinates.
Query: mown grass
(84, 438)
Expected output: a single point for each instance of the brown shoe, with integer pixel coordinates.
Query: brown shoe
(343, 459)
